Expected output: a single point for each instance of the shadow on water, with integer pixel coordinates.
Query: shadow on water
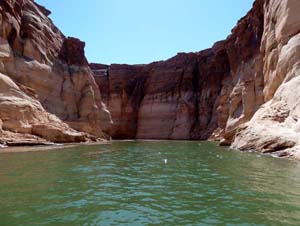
(148, 183)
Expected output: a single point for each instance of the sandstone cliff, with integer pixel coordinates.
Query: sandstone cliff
(275, 126)
(192, 95)
(49, 87)
(243, 91)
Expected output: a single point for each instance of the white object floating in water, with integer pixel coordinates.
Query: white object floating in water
(219, 156)
(165, 161)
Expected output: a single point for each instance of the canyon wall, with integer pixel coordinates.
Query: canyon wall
(242, 92)
(50, 92)
(275, 126)
(200, 95)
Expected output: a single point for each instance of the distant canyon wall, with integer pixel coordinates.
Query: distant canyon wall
(192, 95)
(243, 91)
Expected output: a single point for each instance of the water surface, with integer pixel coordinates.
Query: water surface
(148, 183)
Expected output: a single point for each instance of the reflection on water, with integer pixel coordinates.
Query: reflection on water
(148, 183)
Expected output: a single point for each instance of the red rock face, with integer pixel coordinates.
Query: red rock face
(29, 31)
(190, 96)
(165, 100)
(72, 52)
(122, 88)
(174, 99)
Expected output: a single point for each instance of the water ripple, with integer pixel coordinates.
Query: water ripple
(130, 183)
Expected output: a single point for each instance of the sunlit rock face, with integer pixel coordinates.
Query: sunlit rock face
(275, 126)
(23, 118)
(34, 54)
(243, 91)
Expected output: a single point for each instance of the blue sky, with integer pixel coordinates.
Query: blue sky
(142, 31)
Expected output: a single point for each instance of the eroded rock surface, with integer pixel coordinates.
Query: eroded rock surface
(275, 126)
(53, 71)
(22, 115)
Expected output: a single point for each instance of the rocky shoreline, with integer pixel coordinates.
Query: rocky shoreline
(45, 147)
(36, 147)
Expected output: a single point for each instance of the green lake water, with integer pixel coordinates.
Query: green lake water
(148, 183)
